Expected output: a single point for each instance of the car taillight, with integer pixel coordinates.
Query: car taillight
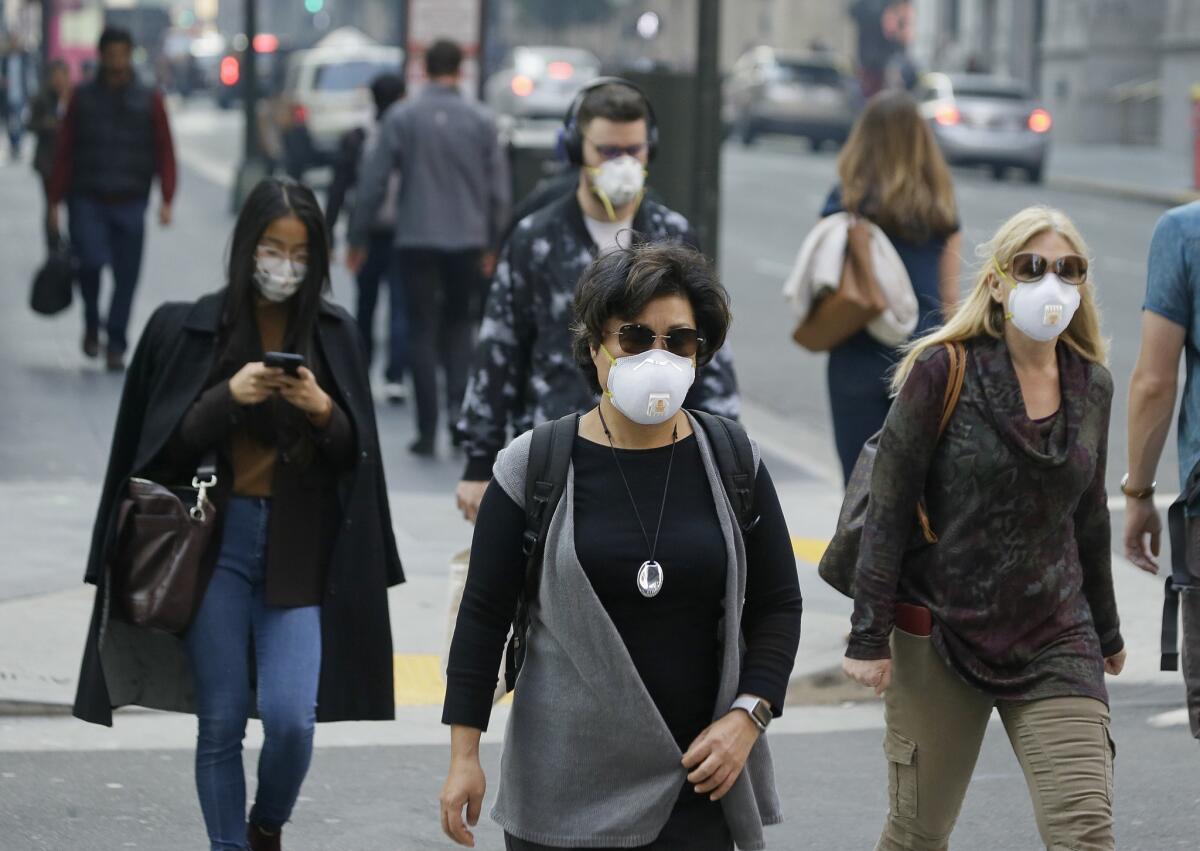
(299, 113)
(1040, 121)
(947, 116)
(522, 86)
(560, 70)
(230, 71)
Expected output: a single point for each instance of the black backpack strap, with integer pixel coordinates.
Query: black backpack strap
(735, 461)
(1180, 578)
(545, 480)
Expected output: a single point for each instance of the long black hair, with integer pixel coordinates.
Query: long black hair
(274, 422)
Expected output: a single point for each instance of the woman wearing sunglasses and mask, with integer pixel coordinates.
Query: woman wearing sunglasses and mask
(1012, 608)
(292, 619)
(639, 711)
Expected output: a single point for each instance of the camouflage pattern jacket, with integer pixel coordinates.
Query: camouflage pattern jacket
(524, 373)
(1020, 581)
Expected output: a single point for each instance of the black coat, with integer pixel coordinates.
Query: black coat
(125, 665)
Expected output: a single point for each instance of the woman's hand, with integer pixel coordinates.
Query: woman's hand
(1115, 663)
(465, 786)
(304, 392)
(717, 756)
(254, 383)
(872, 673)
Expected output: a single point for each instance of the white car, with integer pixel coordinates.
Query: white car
(326, 92)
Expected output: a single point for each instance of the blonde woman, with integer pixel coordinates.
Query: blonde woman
(1013, 607)
(892, 173)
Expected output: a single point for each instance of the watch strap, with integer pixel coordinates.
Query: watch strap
(757, 709)
(1142, 493)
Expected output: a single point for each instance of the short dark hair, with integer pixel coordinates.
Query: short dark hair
(443, 58)
(622, 282)
(115, 35)
(386, 89)
(614, 101)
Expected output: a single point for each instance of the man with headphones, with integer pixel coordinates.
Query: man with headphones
(524, 373)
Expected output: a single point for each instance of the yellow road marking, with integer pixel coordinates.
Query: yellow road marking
(809, 549)
(418, 680)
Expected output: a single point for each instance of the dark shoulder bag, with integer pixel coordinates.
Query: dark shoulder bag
(840, 561)
(546, 479)
(162, 534)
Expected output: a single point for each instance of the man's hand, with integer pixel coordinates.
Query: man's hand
(355, 257)
(165, 215)
(1143, 533)
(719, 753)
(872, 673)
(468, 496)
(52, 220)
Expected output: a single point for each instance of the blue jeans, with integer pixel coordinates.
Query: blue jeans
(108, 235)
(234, 620)
(380, 268)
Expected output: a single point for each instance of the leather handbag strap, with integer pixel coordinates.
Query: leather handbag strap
(954, 385)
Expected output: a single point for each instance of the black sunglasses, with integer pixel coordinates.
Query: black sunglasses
(636, 339)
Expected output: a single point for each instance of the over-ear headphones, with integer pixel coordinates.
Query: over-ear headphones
(572, 133)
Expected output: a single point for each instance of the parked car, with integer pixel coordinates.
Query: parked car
(325, 93)
(983, 120)
(800, 94)
(539, 83)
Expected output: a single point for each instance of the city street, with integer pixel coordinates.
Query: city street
(67, 786)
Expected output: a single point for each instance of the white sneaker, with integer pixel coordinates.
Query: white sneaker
(395, 392)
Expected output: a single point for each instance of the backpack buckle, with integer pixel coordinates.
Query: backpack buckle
(529, 542)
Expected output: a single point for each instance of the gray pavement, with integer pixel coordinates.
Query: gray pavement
(373, 784)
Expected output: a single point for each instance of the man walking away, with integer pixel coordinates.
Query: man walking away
(1170, 323)
(46, 115)
(114, 140)
(454, 198)
(355, 145)
(17, 85)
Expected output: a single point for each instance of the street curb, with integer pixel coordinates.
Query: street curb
(1148, 194)
(30, 708)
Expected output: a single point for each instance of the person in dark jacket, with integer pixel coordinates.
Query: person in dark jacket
(523, 372)
(386, 89)
(114, 140)
(303, 552)
(1013, 608)
(892, 173)
(46, 115)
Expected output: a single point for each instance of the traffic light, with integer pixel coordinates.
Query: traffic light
(314, 6)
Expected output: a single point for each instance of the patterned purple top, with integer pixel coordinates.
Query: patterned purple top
(1020, 581)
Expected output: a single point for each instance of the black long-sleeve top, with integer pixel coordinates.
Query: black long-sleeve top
(674, 637)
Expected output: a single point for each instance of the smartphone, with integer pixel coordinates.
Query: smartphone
(286, 361)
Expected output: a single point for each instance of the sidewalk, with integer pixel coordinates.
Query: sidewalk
(1139, 172)
(54, 443)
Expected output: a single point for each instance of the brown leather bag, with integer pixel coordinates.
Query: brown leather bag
(847, 310)
(162, 535)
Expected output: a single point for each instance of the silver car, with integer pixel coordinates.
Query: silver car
(800, 94)
(540, 82)
(982, 120)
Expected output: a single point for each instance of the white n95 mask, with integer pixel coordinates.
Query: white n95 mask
(1041, 310)
(649, 388)
(617, 182)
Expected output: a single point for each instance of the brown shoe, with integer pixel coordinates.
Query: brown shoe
(260, 840)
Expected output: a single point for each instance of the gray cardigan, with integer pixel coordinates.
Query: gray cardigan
(588, 760)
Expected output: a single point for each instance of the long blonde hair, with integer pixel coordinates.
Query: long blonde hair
(893, 172)
(982, 315)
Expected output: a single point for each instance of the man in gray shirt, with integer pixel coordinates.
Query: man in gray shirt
(454, 200)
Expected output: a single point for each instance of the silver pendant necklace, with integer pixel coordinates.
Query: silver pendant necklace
(650, 575)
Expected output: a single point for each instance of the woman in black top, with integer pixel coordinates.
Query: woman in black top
(292, 621)
(651, 534)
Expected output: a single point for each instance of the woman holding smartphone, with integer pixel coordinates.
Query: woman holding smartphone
(292, 619)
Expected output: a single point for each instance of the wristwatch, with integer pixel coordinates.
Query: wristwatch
(1144, 493)
(758, 710)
